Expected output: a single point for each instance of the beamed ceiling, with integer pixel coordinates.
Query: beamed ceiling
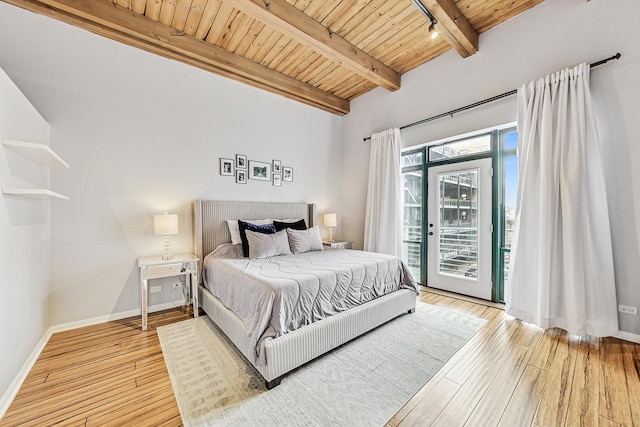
(320, 52)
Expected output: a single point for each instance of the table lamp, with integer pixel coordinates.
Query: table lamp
(166, 225)
(330, 221)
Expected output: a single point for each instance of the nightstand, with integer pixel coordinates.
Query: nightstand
(337, 245)
(154, 267)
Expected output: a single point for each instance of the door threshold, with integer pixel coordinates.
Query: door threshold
(462, 297)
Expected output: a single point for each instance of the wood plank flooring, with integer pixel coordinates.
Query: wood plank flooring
(107, 374)
(514, 374)
(508, 374)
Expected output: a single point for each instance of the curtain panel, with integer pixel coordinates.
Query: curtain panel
(561, 270)
(383, 218)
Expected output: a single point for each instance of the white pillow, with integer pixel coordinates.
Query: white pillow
(227, 250)
(301, 241)
(235, 231)
(267, 245)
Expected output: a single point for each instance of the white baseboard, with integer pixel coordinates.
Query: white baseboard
(15, 385)
(628, 336)
(113, 316)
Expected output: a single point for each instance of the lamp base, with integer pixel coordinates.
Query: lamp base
(167, 255)
(331, 235)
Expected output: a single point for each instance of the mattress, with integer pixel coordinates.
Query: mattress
(277, 295)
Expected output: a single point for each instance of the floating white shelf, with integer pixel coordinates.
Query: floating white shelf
(39, 153)
(34, 193)
(43, 155)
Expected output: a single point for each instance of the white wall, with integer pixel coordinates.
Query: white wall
(24, 236)
(551, 36)
(142, 135)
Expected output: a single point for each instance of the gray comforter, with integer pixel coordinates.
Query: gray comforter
(280, 294)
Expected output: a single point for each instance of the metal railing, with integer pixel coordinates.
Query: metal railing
(412, 233)
(412, 257)
(460, 179)
(458, 251)
(450, 202)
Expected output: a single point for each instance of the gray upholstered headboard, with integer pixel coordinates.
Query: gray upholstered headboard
(209, 219)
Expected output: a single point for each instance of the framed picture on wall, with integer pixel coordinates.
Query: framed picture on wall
(226, 167)
(259, 170)
(277, 166)
(287, 174)
(241, 161)
(241, 176)
(277, 179)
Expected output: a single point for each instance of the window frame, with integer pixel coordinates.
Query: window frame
(499, 238)
(421, 168)
(462, 157)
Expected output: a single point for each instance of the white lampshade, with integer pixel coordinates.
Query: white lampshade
(330, 220)
(166, 224)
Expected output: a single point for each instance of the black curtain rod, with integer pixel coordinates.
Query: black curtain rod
(488, 100)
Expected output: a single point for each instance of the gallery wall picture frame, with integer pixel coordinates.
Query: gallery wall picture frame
(241, 161)
(287, 174)
(241, 176)
(226, 167)
(277, 166)
(277, 180)
(259, 170)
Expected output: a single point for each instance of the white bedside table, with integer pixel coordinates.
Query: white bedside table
(337, 245)
(154, 267)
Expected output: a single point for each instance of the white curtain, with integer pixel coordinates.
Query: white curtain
(383, 220)
(561, 271)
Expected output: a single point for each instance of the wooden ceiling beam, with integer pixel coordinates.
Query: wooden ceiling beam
(102, 17)
(453, 26)
(290, 21)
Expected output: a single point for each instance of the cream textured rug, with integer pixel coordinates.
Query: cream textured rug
(363, 383)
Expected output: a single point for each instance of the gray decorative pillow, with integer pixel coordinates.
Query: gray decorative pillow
(266, 245)
(301, 241)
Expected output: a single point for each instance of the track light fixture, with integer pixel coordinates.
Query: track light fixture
(432, 19)
(433, 31)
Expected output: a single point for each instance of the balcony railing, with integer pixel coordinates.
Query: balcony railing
(460, 180)
(450, 202)
(412, 257)
(458, 251)
(412, 233)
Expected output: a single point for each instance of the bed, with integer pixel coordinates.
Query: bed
(275, 353)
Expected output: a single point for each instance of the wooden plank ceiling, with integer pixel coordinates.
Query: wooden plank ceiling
(320, 52)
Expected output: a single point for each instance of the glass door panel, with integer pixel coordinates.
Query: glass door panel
(412, 222)
(507, 203)
(459, 234)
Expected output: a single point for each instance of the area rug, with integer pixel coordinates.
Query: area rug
(363, 383)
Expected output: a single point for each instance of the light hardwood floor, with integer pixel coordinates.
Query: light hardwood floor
(111, 374)
(508, 374)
